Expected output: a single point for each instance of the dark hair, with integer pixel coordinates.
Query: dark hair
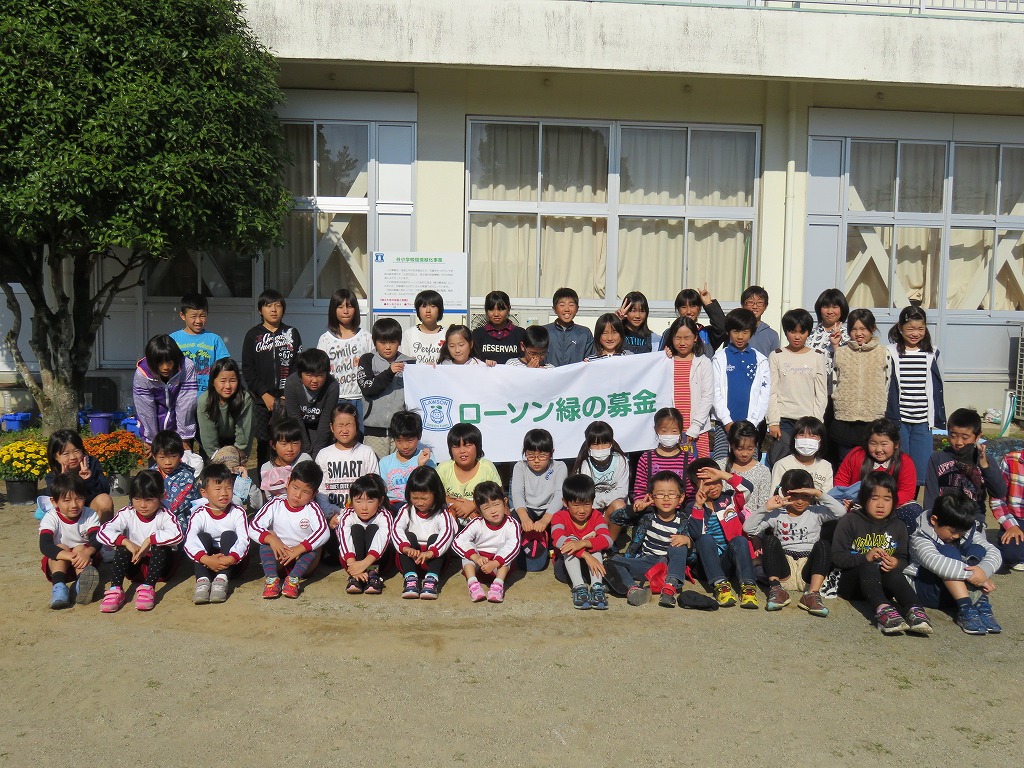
(372, 486)
(163, 349)
(286, 430)
(596, 432)
(497, 300)
(964, 418)
(955, 509)
(147, 484)
(487, 491)
(909, 314)
(167, 442)
(216, 472)
(696, 466)
(339, 297)
(466, 433)
(797, 319)
(877, 480)
(345, 407)
(667, 476)
(677, 324)
(754, 291)
(741, 429)
(795, 479)
(193, 301)
(68, 482)
(637, 299)
(236, 402)
(453, 330)
(885, 428)
(429, 298)
(426, 480)
(669, 414)
(307, 472)
(565, 293)
(538, 440)
(688, 297)
(271, 296)
(536, 337)
(386, 329)
(313, 362)
(609, 318)
(578, 489)
(864, 316)
(406, 424)
(60, 440)
(832, 297)
(816, 428)
(740, 319)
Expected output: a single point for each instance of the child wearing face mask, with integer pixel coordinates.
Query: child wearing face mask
(808, 450)
(602, 460)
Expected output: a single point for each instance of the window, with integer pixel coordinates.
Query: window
(608, 208)
(218, 274)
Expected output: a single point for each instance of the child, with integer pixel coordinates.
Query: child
(764, 338)
(693, 383)
(363, 536)
(345, 461)
(799, 383)
(609, 338)
(964, 465)
(143, 535)
(601, 459)
(345, 342)
(689, 303)
(285, 445)
(68, 543)
(871, 550)
(65, 452)
(225, 410)
(217, 537)
(568, 342)
(633, 313)
(796, 552)
(581, 538)
(422, 534)
(267, 354)
(829, 332)
(808, 449)
(406, 430)
(1009, 511)
(423, 342)
(195, 342)
(916, 401)
(534, 348)
(742, 461)
(536, 493)
(465, 470)
(458, 348)
(716, 529)
(498, 339)
(179, 481)
(951, 561)
(380, 380)
(244, 492)
(310, 398)
(489, 544)
(860, 388)
(742, 380)
(290, 530)
(164, 391)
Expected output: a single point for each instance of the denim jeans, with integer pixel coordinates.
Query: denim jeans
(931, 590)
(734, 561)
(916, 441)
(630, 569)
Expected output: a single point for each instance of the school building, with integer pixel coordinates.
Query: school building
(613, 146)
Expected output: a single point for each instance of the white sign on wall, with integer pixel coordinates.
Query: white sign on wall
(398, 276)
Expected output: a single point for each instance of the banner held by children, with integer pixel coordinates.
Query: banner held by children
(506, 402)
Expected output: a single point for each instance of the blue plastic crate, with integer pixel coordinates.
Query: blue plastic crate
(15, 422)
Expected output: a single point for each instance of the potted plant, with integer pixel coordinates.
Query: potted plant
(22, 464)
(119, 453)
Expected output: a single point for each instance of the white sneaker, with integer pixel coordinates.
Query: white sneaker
(219, 590)
(202, 594)
(1019, 567)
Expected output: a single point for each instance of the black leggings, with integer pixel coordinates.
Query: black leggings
(160, 559)
(773, 558)
(869, 582)
(228, 539)
(432, 567)
(362, 537)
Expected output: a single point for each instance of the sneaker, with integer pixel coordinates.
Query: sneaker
(271, 588)
(496, 593)
(778, 597)
(889, 620)
(291, 588)
(917, 621)
(202, 594)
(724, 595)
(813, 604)
(969, 620)
(112, 601)
(985, 612)
(476, 591)
(598, 598)
(430, 588)
(60, 596)
(145, 598)
(374, 583)
(581, 598)
(668, 597)
(219, 590)
(1018, 567)
(830, 588)
(411, 590)
(85, 588)
(355, 586)
(748, 596)
(638, 595)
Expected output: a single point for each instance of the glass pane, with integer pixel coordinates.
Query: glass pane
(868, 252)
(226, 274)
(718, 253)
(503, 163)
(974, 179)
(651, 257)
(341, 254)
(341, 152)
(1010, 272)
(721, 168)
(173, 277)
(653, 167)
(917, 267)
(503, 255)
(298, 143)
(1011, 201)
(970, 256)
(922, 171)
(872, 176)
(575, 164)
(573, 253)
(289, 269)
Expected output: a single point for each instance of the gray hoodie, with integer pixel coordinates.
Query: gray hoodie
(383, 390)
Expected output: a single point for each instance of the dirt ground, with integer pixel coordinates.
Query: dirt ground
(333, 679)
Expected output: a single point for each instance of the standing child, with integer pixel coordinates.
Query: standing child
(807, 451)
(179, 481)
(602, 460)
(364, 535)
(310, 397)
(764, 338)
(143, 535)
(68, 543)
(407, 431)
(345, 461)
(217, 537)
(689, 303)
(458, 348)
(742, 381)
(609, 337)
(422, 534)
(1009, 511)
(860, 383)
(498, 339)
(465, 470)
(381, 382)
(164, 391)
(345, 341)
(423, 341)
(568, 342)
(830, 332)
(693, 391)
(489, 544)
(200, 346)
(799, 383)
(66, 453)
(285, 447)
(633, 313)
(225, 411)
(534, 348)
(536, 493)
(581, 538)
(742, 461)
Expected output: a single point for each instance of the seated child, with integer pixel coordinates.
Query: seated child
(870, 547)
(1009, 511)
(406, 430)
(143, 535)
(310, 395)
(290, 530)
(534, 348)
(285, 452)
(66, 453)
(465, 470)
(952, 562)
(217, 538)
(489, 543)
(422, 534)
(796, 544)
(716, 529)
(601, 459)
(808, 451)
(244, 492)
(67, 541)
(743, 461)
(581, 538)
(364, 534)
(537, 494)
(180, 490)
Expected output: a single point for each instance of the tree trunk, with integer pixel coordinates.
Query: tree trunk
(60, 407)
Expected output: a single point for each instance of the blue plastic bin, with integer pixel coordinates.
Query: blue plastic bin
(15, 422)
(131, 425)
(99, 423)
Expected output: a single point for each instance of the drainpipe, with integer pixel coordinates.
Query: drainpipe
(790, 222)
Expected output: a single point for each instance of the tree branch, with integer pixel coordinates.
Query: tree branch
(11, 344)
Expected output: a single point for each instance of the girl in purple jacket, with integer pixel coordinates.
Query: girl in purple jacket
(164, 391)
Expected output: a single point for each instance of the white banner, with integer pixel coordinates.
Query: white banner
(506, 402)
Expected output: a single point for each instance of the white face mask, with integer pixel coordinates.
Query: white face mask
(668, 441)
(600, 454)
(806, 446)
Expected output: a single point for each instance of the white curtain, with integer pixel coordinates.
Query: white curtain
(503, 252)
(1010, 272)
(298, 143)
(868, 252)
(651, 257)
(574, 167)
(716, 254)
(975, 169)
(574, 253)
(721, 168)
(1012, 203)
(872, 175)
(917, 267)
(653, 167)
(922, 172)
(284, 267)
(503, 165)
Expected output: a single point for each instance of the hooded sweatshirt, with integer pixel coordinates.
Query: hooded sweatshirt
(383, 390)
(857, 533)
(167, 404)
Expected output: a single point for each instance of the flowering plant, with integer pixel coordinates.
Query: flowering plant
(23, 460)
(117, 452)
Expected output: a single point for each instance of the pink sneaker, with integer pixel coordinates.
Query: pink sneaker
(496, 593)
(476, 592)
(113, 599)
(145, 598)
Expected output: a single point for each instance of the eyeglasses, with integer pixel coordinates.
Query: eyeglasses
(754, 303)
(536, 455)
(665, 495)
